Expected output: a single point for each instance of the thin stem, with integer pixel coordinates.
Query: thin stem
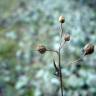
(52, 50)
(61, 31)
(61, 46)
(59, 58)
(48, 50)
(34, 50)
(60, 73)
(74, 62)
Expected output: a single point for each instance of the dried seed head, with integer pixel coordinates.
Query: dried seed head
(66, 37)
(61, 19)
(41, 49)
(88, 49)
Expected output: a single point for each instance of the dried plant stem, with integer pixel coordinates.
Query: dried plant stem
(51, 50)
(60, 73)
(74, 62)
(88, 49)
(61, 34)
(59, 58)
(62, 45)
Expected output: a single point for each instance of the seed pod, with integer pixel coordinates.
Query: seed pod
(61, 19)
(88, 49)
(66, 37)
(41, 49)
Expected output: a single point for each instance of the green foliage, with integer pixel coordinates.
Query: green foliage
(7, 48)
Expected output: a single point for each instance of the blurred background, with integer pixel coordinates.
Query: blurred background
(26, 23)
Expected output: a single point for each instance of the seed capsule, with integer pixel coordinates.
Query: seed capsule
(88, 49)
(66, 37)
(61, 19)
(41, 49)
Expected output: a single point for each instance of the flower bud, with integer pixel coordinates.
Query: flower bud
(61, 19)
(88, 49)
(41, 49)
(66, 37)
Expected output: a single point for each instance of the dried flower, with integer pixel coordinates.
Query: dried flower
(61, 19)
(66, 37)
(88, 49)
(41, 49)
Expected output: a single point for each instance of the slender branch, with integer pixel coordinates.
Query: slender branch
(34, 50)
(48, 50)
(61, 34)
(52, 50)
(61, 46)
(61, 31)
(74, 62)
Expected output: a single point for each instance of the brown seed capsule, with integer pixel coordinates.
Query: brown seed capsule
(88, 49)
(66, 37)
(61, 19)
(41, 49)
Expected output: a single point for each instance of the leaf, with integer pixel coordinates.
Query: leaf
(55, 66)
